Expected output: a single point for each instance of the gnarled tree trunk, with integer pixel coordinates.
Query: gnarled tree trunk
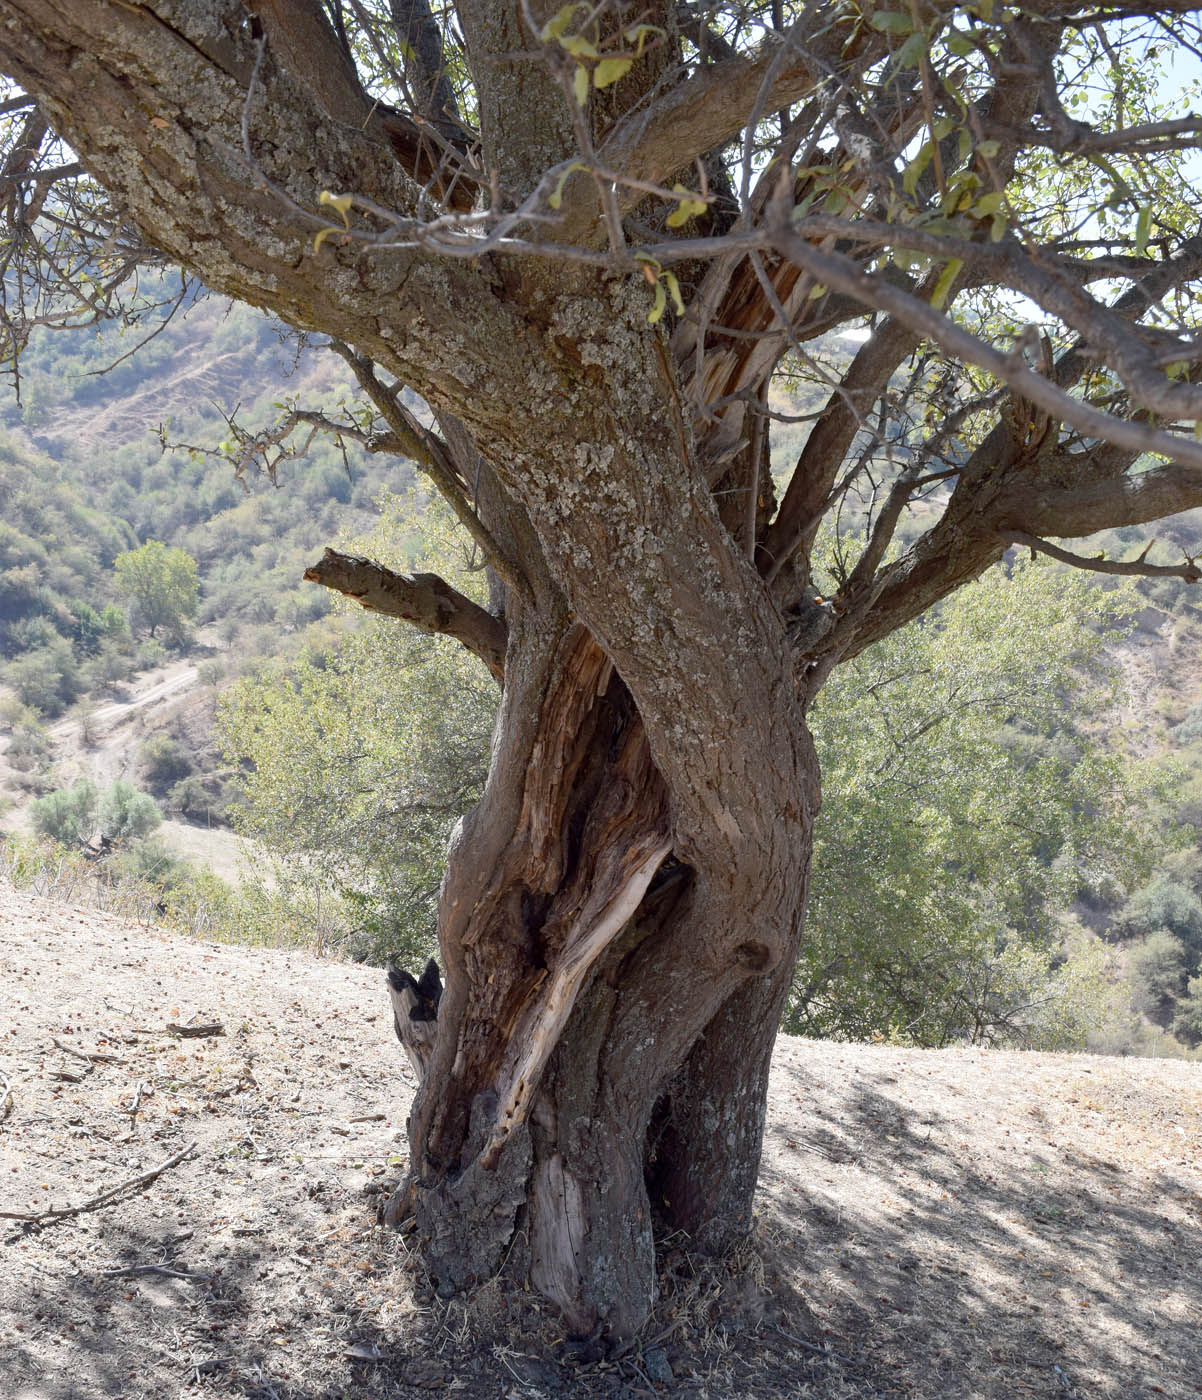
(604, 1038)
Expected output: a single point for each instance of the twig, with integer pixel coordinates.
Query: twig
(814, 1347)
(132, 1110)
(95, 1202)
(155, 1269)
(95, 1056)
(7, 1100)
(212, 1028)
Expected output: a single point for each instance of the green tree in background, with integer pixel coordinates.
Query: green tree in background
(161, 582)
(66, 816)
(361, 759)
(963, 806)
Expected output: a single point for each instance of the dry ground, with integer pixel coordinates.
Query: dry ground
(945, 1224)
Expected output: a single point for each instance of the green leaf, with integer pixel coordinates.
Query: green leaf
(638, 34)
(610, 70)
(559, 21)
(960, 45)
(674, 292)
(989, 149)
(944, 285)
(913, 172)
(555, 198)
(580, 85)
(892, 22)
(1143, 227)
(689, 207)
(913, 51)
(324, 233)
(658, 305)
(578, 46)
(341, 202)
(988, 205)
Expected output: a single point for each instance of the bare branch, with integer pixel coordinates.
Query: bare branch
(425, 601)
(1189, 570)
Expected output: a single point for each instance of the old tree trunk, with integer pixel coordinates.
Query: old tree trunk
(590, 273)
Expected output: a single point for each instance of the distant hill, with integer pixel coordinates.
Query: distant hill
(84, 474)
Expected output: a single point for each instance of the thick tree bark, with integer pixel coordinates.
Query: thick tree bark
(603, 1043)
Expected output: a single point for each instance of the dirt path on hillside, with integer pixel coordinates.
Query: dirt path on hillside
(956, 1225)
(172, 681)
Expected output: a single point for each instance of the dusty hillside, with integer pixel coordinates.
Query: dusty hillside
(944, 1224)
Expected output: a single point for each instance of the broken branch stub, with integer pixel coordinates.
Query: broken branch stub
(415, 1012)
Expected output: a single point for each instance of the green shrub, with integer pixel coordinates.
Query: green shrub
(30, 745)
(151, 863)
(1158, 969)
(163, 761)
(127, 814)
(67, 816)
(1187, 1023)
(46, 679)
(1162, 904)
(1190, 727)
(200, 798)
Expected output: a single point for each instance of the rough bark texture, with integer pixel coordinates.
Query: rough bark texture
(621, 913)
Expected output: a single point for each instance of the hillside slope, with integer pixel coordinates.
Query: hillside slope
(952, 1223)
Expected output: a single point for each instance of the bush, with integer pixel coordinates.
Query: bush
(67, 816)
(163, 761)
(1163, 904)
(127, 814)
(113, 664)
(46, 679)
(151, 863)
(1158, 969)
(30, 744)
(200, 798)
(151, 653)
(1190, 727)
(1187, 1023)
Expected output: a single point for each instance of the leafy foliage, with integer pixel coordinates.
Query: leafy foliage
(69, 815)
(1158, 964)
(126, 814)
(1163, 904)
(964, 804)
(361, 758)
(161, 582)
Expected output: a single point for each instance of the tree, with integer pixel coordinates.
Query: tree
(360, 760)
(963, 806)
(588, 238)
(160, 580)
(68, 815)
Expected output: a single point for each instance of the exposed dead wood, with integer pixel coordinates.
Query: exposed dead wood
(425, 601)
(415, 1012)
(92, 1056)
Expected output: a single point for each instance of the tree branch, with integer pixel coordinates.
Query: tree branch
(425, 601)
(835, 270)
(1189, 571)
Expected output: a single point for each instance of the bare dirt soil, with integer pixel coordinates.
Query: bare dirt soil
(932, 1224)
